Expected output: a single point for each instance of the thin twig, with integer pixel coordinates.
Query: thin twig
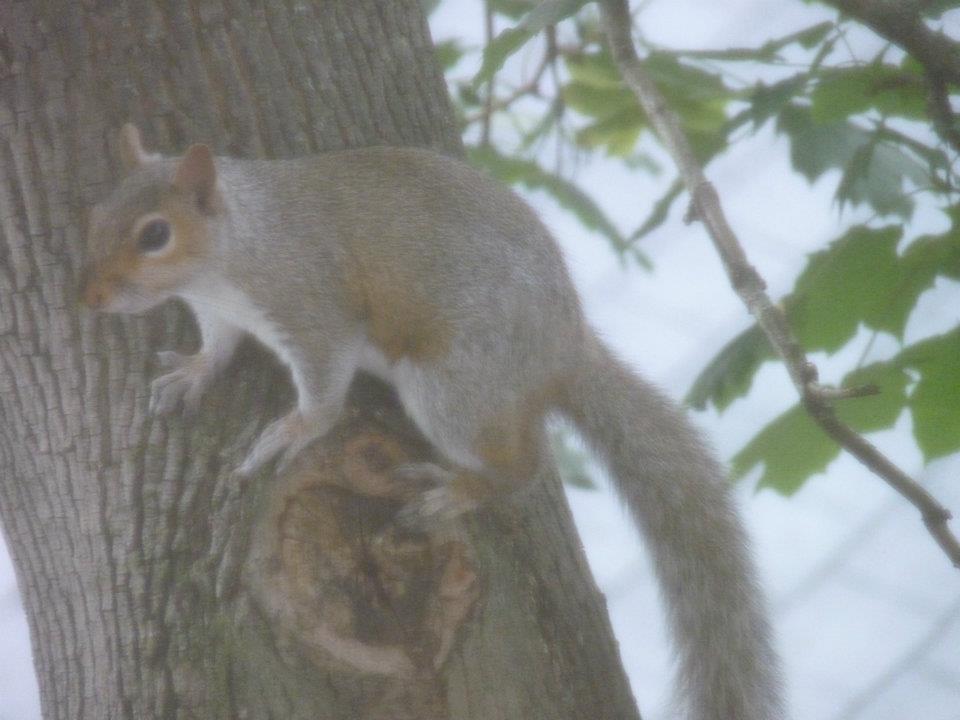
(530, 87)
(828, 393)
(750, 286)
(901, 22)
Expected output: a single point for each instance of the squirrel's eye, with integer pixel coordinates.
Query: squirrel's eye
(154, 235)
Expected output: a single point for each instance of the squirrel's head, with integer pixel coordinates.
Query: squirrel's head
(151, 236)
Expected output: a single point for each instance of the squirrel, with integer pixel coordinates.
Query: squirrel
(429, 274)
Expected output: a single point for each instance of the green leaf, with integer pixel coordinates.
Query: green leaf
(597, 91)
(618, 133)
(860, 278)
(518, 171)
(888, 89)
(947, 253)
(766, 101)
(919, 265)
(935, 401)
(880, 411)
(730, 374)
(814, 35)
(875, 175)
(879, 179)
(791, 449)
(770, 50)
(659, 212)
(598, 101)
(544, 125)
(448, 53)
(816, 148)
(874, 171)
(467, 94)
(684, 81)
(843, 286)
(596, 69)
(547, 13)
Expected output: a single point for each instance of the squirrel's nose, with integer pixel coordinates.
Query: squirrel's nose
(94, 292)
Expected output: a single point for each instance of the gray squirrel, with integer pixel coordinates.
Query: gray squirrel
(427, 273)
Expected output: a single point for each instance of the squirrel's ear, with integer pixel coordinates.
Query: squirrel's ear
(197, 176)
(132, 154)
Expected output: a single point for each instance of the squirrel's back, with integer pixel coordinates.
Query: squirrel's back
(417, 239)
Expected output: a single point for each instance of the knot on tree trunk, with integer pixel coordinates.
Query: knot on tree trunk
(350, 588)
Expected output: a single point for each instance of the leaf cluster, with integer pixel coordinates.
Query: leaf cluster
(863, 125)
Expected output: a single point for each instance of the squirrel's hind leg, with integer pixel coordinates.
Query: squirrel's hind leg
(492, 438)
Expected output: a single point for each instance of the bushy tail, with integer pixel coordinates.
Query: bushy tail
(680, 500)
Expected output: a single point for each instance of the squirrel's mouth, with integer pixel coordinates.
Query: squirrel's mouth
(111, 295)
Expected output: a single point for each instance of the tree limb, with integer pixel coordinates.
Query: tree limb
(530, 87)
(705, 206)
(938, 105)
(901, 22)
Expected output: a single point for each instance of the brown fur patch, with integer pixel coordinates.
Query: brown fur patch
(105, 277)
(511, 445)
(400, 321)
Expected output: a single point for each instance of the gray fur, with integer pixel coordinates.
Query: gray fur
(283, 249)
(680, 500)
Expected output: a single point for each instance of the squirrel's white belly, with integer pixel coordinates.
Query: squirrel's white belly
(417, 393)
(220, 301)
(373, 361)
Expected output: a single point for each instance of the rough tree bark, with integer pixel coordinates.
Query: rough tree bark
(156, 585)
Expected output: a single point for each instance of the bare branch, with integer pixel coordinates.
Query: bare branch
(705, 206)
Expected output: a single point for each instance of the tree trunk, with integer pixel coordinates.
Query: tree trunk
(156, 584)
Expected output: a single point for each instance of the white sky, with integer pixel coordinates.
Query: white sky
(866, 608)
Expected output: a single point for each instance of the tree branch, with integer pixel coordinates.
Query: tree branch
(530, 87)
(705, 206)
(938, 105)
(901, 22)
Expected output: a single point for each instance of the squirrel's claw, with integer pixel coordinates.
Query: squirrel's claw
(288, 435)
(437, 506)
(438, 503)
(187, 379)
(426, 475)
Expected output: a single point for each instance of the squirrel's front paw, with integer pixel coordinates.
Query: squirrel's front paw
(288, 435)
(187, 378)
